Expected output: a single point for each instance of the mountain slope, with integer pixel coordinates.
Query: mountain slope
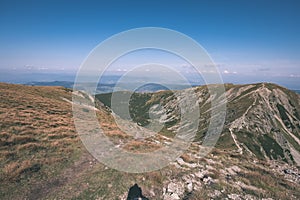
(42, 157)
(271, 120)
(262, 119)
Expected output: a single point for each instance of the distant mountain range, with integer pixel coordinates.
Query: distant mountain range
(297, 91)
(66, 84)
(108, 87)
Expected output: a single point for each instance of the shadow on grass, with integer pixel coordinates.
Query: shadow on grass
(135, 192)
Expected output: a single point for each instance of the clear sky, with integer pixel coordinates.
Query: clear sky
(246, 38)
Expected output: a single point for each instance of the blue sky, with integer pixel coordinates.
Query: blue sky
(245, 38)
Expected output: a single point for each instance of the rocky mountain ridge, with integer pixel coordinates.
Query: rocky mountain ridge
(262, 119)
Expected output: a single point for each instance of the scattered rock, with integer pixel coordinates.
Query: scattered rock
(207, 180)
(174, 191)
(234, 196)
(189, 187)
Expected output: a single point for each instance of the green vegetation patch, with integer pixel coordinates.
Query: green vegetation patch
(282, 112)
(249, 140)
(271, 147)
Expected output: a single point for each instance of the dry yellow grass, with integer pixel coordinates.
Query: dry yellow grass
(187, 158)
(30, 117)
(15, 169)
(37, 129)
(141, 146)
(29, 146)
